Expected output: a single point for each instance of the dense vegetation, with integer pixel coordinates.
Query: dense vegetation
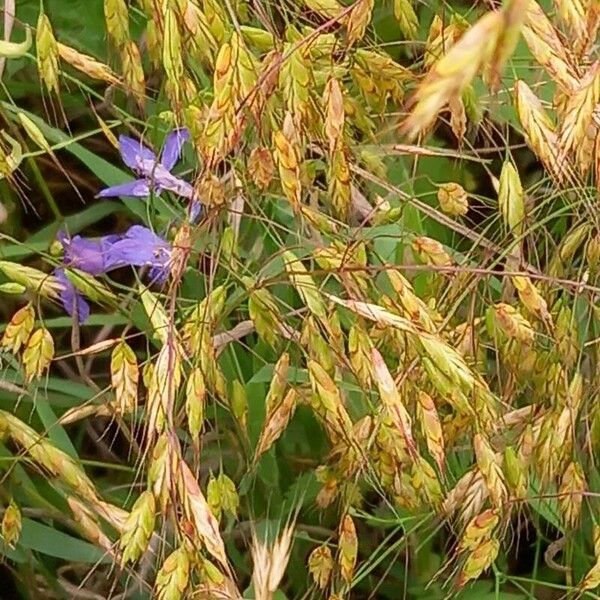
(299, 299)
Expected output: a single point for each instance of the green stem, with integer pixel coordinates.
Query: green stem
(41, 182)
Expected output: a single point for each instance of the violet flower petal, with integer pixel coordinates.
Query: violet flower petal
(72, 301)
(173, 147)
(85, 254)
(133, 152)
(139, 247)
(139, 188)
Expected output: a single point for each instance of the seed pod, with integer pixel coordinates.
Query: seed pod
(138, 528)
(87, 65)
(19, 329)
(320, 565)
(453, 199)
(480, 559)
(173, 576)
(347, 548)
(570, 494)
(124, 372)
(11, 524)
(261, 167)
(38, 353)
(492, 473)
(47, 53)
(195, 399)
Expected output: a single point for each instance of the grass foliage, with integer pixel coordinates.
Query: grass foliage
(371, 372)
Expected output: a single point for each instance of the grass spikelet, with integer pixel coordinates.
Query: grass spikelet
(479, 529)
(172, 58)
(117, 22)
(334, 113)
(339, 183)
(452, 73)
(426, 483)
(278, 383)
(390, 397)
(431, 428)
(328, 405)
(287, 157)
(222, 496)
(161, 471)
(47, 53)
(195, 400)
(572, 13)
(511, 199)
(359, 353)
(328, 9)
(578, 116)
(276, 420)
(531, 298)
(407, 18)
(480, 559)
(198, 512)
(295, 82)
(570, 494)
(264, 313)
(19, 329)
(358, 20)
(11, 524)
(304, 284)
(261, 167)
(592, 577)
(124, 373)
(487, 461)
(32, 279)
(38, 353)
(216, 19)
(513, 323)
(133, 72)
(431, 252)
(156, 313)
(173, 576)
(514, 467)
(453, 199)
(270, 564)
(414, 307)
(163, 388)
(87, 65)
(539, 130)
(138, 528)
(545, 45)
(88, 526)
(347, 548)
(320, 565)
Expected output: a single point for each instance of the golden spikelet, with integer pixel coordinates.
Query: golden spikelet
(116, 16)
(87, 65)
(480, 559)
(261, 167)
(511, 199)
(359, 353)
(578, 117)
(487, 461)
(478, 530)
(195, 400)
(295, 82)
(304, 284)
(334, 112)
(11, 524)
(531, 298)
(163, 388)
(47, 53)
(138, 528)
(358, 20)
(573, 14)
(320, 565)
(451, 74)
(31, 279)
(326, 8)
(570, 494)
(133, 72)
(124, 373)
(453, 199)
(513, 323)
(38, 353)
(431, 252)
(161, 471)
(431, 428)
(539, 131)
(287, 157)
(18, 329)
(172, 58)
(173, 576)
(407, 18)
(347, 548)
(547, 48)
(339, 187)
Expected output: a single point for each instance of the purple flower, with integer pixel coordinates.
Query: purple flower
(140, 247)
(155, 175)
(137, 247)
(71, 299)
